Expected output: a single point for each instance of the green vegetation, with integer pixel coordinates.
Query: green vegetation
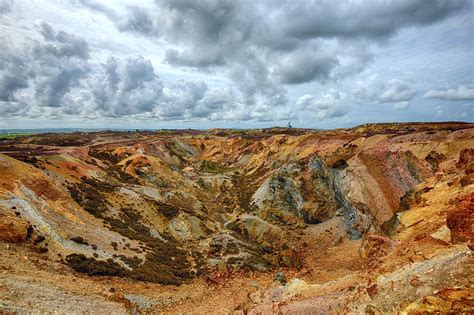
(13, 135)
(211, 167)
(214, 168)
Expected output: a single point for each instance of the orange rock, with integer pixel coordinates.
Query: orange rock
(13, 229)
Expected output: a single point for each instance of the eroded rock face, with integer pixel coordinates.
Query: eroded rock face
(279, 198)
(466, 160)
(434, 159)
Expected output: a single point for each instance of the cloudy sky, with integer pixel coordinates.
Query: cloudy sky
(236, 63)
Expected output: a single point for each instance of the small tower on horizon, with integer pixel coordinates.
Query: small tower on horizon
(289, 124)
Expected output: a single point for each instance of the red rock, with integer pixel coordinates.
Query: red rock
(460, 220)
(372, 290)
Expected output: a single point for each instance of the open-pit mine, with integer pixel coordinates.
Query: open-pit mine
(375, 219)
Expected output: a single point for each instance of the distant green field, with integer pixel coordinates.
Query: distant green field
(13, 135)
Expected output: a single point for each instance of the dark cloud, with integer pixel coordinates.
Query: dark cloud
(59, 72)
(51, 88)
(56, 65)
(125, 87)
(369, 19)
(233, 26)
(50, 68)
(209, 22)
(9, 84)
(60, 44)
(306, 67)
(6, 6)
(256, 83)
(137, 20)
(199, 59)
(214, 102)
(13, 76)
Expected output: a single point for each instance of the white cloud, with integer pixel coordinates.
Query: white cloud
(401, 105)
(328, 105)
(380, 91)
(461, 93)
(396, 91)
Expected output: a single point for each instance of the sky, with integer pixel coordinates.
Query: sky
(234, 63)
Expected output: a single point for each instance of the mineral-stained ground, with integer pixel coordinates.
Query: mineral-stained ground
(374, 219)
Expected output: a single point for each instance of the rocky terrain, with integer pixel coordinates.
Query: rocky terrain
(374, 219)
